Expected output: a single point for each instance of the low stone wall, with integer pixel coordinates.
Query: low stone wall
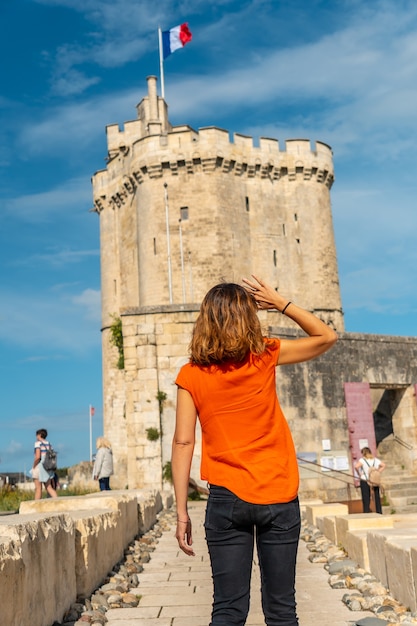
(56, 550)
(384, 545)
(37, 568)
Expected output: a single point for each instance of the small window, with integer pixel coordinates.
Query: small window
(154, 245)
(184, 213)
(295, 217)
(247, 203)
(275, 258)
(283, 230)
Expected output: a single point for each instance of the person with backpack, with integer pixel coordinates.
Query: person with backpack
(40, 475)
(248, 456)
(369, 469)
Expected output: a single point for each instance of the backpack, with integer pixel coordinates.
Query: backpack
(50, 461)
(374, 477)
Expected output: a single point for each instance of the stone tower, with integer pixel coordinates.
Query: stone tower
(181, 210)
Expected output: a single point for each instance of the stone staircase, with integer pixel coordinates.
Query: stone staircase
(400, 489)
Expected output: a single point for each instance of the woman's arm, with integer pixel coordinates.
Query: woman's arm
(320, 336)
(98, 463)
(37, 457)
(381, 466)
(182, 454)
(358, 465)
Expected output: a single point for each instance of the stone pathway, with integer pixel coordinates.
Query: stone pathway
(176, 590)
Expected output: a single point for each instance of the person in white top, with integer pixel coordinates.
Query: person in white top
(363, 467)
(40, 475)
(103, 464)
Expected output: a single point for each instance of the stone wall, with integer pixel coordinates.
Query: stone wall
(56, 550)
(181, 210)
(384, 545)
(311, 394)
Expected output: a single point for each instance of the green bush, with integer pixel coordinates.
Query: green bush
(116, 339)
(153, 434)
(167, 472)
(11, 498)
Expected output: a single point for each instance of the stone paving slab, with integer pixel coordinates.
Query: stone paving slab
(176, 590)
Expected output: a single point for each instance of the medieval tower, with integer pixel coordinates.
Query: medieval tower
(181, 210)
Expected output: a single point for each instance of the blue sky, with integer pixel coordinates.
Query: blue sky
(343, 72)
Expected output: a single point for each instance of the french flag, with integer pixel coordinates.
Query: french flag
(175, 38)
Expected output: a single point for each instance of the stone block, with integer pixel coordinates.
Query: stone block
(376, 552)
(313, 511)
(413, 556)
(37, 564)
(329, 528)
(305, 503)
(320, 524)
(98, 546)
(360, 521)
(400, 571)
(149, 505)
(126, 502)
(103, 525)
(122, 501)
(355, 544)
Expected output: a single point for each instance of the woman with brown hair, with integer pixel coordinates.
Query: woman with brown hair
(248, 455)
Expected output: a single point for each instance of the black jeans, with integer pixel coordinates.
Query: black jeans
(104, 483)
(231, 525)
(366, 497)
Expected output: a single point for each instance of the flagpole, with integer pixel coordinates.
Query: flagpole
(182, 262)
(91, 433)
(168, 243)
(161, 64)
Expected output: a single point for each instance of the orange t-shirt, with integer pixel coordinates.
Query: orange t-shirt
(247, 445)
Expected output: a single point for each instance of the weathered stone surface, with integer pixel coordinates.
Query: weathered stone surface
(371, 621)
(368, 592)
(323, 510)
(339, 566)
(30, 546)
(360, 521)
(81, 547)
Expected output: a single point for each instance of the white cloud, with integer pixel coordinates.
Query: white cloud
(65, 131)
(56, 257)
(90, 301)
(40, 359)
(73, 82)
(72, 193)
(14, 447)
(354, 88)
(64, 322)
(122, 32)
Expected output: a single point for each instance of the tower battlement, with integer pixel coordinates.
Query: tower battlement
(210, 148)
(186, 151)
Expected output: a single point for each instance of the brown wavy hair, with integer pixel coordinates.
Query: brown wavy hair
(227, 327)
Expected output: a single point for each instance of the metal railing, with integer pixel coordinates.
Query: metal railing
(402, 442)
(348, 479)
